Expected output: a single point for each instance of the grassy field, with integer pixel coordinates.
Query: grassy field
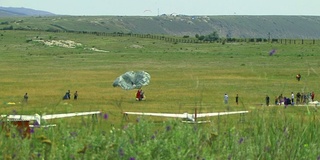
(183, 77)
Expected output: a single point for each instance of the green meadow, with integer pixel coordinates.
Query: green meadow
(184, 76)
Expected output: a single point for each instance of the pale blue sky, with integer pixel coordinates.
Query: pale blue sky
(186, 7)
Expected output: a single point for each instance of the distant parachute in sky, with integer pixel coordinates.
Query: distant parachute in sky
(147, 10)
(132, 80)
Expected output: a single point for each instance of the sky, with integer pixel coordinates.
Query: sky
(177, 7)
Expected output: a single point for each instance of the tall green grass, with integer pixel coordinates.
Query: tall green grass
(264, 134)
(183, 77)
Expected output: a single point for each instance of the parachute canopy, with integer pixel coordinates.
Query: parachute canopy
(132, 80)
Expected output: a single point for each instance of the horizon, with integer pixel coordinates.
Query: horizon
(177, 7)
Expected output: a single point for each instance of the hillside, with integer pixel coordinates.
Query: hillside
(11, 11)
(299, 27)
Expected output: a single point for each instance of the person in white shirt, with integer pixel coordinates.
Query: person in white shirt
(226, 97)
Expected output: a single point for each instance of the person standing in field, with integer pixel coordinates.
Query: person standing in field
(226, 98)
(75, 95)
(298, 77)
(285, 102)
(267, 100)
(66, 96)
(25, 98)
(280, 99)
(142, 96)
(304, 95)
(298, 98)
(138, 95)
(292, 98)
(237, 99)
(69, 94)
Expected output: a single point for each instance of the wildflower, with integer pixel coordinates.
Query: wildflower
(132, 158)
(168, 128)
(121, 152)
(36, 124)
(105, 116)
(8, 134)
(125, 127)
(32, 130)
(153, 137)
(131, 141)
(195, 128)
(14, 112)
(241, 140)
(39, 155)
(112, 145)
(213, 136)
(33, 156)
(73, 134)
(286, 130)
(13, 156)
(72, 156)
(266, 148)
(6, 156)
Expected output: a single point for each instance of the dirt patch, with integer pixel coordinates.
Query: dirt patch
(67, 44)
(136, 46)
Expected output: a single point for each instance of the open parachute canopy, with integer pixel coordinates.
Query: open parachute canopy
(132, 80)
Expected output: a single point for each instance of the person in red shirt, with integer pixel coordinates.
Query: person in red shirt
(138, 95)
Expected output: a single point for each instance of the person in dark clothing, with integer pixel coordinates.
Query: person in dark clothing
(267, 100)
(237, 99)
(298, 98)
(298, 77)
(67, 95)
(75, 95)
(25, 98)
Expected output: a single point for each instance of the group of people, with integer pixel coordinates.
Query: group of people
(226, 99)
(67, 96)
(299, 98)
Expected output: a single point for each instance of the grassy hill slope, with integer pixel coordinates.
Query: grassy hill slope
(12, 11)
(304, 27)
